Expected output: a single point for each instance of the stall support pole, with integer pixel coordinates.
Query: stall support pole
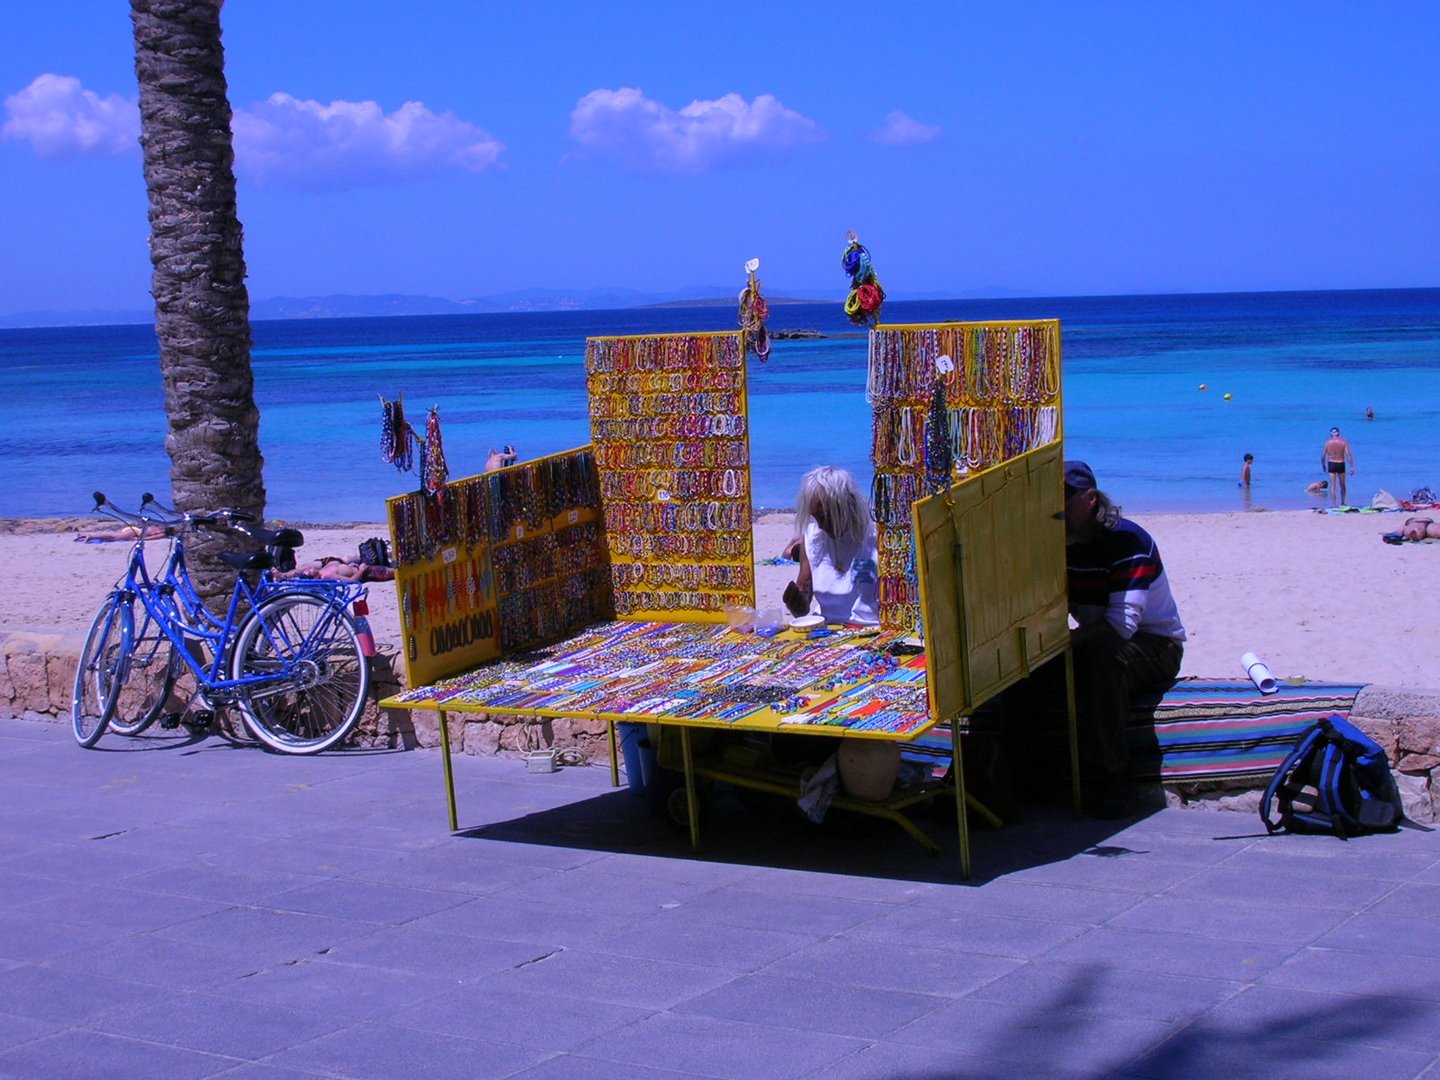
(614, 760)
(961, 819)
(1074, 732)
(449, 773)
(692, 802)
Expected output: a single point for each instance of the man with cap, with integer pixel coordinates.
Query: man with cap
(1334, 457)
(1129, 638)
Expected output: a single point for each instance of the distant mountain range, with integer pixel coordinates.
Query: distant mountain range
(346, 306)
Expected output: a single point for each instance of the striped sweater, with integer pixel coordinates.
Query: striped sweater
(1118, 576)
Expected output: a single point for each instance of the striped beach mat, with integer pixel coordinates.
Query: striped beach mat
(1204, 729)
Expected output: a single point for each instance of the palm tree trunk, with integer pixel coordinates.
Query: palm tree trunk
(202, 308)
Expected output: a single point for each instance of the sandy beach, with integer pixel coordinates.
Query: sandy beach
(1315, 595)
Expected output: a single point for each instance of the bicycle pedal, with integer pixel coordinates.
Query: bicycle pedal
(170, 721)
(200, 721)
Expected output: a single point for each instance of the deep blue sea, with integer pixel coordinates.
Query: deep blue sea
(86, 412)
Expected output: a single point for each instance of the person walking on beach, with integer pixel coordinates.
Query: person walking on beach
(1335, 456)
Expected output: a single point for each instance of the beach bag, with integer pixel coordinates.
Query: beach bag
(375, 552)
(1336, 780)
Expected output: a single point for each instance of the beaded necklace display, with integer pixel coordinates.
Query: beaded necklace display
(670, 437)
(435, 470)
(397, 438)
(949, 399)
(939, 459)
(505, 560)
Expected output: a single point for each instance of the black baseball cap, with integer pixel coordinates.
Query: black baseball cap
(1079, 476)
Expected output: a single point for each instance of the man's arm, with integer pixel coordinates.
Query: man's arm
(1082, 634)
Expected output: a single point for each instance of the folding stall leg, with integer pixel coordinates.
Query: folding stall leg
(614, 760)
(692, 802)
(449, 773)
(1073, 731)
(958, 769)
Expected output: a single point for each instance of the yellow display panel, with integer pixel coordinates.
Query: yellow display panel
(670, 429)
(991, 559)
(501, 561)
(976, 393)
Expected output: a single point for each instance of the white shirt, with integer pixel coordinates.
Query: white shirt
(843, 595)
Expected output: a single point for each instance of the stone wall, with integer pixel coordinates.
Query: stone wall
(1407, 724)
(37, 672)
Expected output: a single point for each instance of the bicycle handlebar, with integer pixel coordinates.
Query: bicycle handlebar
(152, 511)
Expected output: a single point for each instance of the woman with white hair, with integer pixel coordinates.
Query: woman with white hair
(836, 548)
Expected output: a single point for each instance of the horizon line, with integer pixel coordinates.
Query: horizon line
(137, 316)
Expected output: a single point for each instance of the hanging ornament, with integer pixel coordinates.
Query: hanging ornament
(939, 458)
(753, 313)
(435, 471)
(866, 296)
(396, 435)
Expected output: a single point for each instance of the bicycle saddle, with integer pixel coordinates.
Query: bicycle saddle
(247, 560)
(286, 537)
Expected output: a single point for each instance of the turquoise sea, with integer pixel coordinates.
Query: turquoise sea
(86, 413)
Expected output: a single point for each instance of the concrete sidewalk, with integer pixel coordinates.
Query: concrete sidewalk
(177, 908)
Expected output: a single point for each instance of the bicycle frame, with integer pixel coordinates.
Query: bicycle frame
(178, 612)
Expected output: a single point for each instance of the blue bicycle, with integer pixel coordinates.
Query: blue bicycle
(288, 654)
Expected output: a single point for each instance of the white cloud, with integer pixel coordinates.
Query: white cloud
(647, 136)
(61, 119)
(283, 141)
(295, 143)
(903, 130)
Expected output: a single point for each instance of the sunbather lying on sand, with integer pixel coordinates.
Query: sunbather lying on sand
(333, 568)
(1420, 528)
(124, 532)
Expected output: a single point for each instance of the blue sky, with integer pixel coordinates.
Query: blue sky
(472, 148)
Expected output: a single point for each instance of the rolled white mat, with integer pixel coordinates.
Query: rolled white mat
(1258, 672)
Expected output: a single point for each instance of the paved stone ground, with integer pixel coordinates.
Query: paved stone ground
(178, 908)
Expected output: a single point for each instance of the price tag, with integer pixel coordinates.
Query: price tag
(572, 517)
(943, 364)
(449, 555)
(662, 495)
(519, 532)
(752, 265)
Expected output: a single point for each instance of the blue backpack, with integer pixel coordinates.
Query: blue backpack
(1336, 780)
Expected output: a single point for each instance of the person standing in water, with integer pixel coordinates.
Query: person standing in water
(1335, 456)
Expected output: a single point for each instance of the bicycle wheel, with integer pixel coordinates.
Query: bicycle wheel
(96, 687)
(146, 679)
(319, 702)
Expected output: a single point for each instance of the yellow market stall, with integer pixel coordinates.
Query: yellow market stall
(594, 584)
